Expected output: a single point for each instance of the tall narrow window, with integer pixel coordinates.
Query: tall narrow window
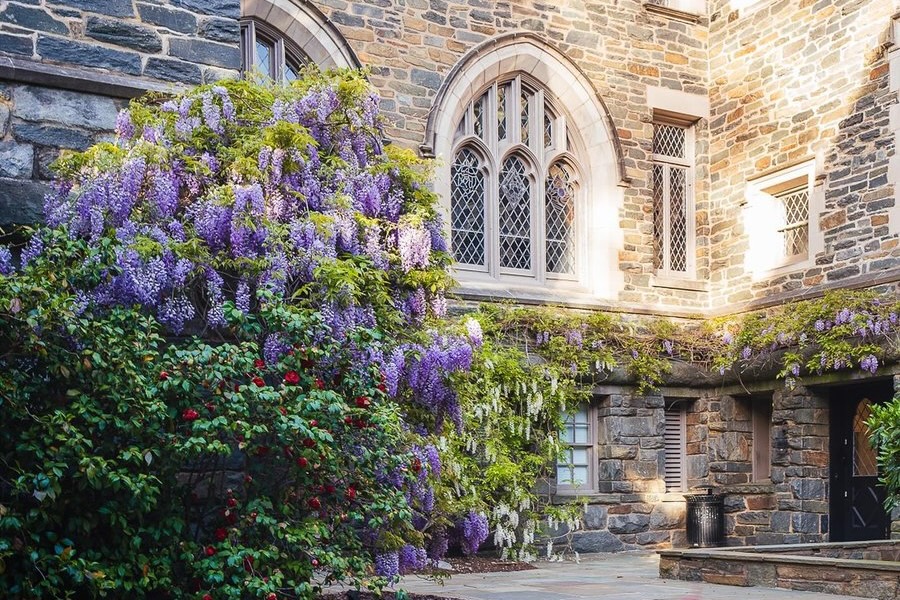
(673, 209)
(674, 436)
(761, 413)
(514, 186)
(574, 473)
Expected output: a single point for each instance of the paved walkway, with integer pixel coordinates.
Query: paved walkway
(623, 576)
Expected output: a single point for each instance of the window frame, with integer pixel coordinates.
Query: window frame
(591, 486)
(286, 53)
(539, 158)
(762, 202)
(688, 164)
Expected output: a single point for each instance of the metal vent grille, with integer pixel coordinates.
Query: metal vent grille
(467, 198)
(673, 437)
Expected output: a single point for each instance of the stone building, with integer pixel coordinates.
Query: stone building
(684, 158)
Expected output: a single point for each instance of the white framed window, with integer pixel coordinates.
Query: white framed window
(675, 446)
(266, 50)
(673, 200)
(515, 187)
(575, 472)
(778, 213)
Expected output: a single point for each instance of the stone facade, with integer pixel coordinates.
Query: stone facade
(766, 86)
(68, 66)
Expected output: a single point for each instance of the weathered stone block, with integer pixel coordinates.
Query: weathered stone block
(170, 18)
(16, 44)
(115, 8)
(632, 523)
(207, 53)
(595, 517)
(667, 515)
(172, 70)
(35, 19)
(221, 30)
(596, 541)
(808, 489)
(48, 135)
(21, 201)
(221, 8)
(76, 109)
(124, 34)
(805, 522)
(16, 160)
(88, 55)
(4, 117)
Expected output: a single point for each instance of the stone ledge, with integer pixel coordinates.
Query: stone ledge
(79, 80)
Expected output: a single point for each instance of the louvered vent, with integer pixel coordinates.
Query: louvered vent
(674, 440)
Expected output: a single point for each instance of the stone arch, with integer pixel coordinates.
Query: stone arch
(307, 28)
(597, 147)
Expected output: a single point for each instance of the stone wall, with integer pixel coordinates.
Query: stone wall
(67, 67)
(795, 81)
(622, 48)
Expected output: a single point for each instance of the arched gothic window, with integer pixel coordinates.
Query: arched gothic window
(514, 186)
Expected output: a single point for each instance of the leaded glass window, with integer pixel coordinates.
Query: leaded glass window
(671, 180)
(268, 52)
(794, 207)
(514, 186)
(467, 213)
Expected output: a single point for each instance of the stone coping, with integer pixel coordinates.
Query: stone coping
(781, 553)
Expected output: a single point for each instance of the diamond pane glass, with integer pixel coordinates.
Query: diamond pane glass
(560, 220)
(515, 215)
(659, 236)
(478, 114)
(290, 73)
(524, 117)
(548, 131)
(501, 112)
(467, 196)
(678, 233)
(795, 212)
(668, 140)
(264, 53)
(864, 459)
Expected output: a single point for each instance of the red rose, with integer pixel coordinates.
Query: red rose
(348, 420)
(315, 503)
(248, 563)
(272, 596)
(363, 402)
(320, 384)
(307, 363)
(329, 488)
(207, 597)
(253, 516)
(309, 442)
(248, 479)
(230, 517)
(163, 375)
(259, 363)
(351, 493)
(231, 502)
(189, 414)
(221, 534)
(302, 462)
(282, 410)
(291, 378)
(313, 423)
(210, 550)
(315, 562)
(258, 381)
(382, 388)
(210, 407)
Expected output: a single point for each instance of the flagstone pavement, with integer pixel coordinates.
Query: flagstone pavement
(626, 576)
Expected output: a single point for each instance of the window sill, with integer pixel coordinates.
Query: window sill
(673, 283)
(672, 13)
(567, 293)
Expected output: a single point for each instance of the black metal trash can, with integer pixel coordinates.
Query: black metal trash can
(705, 520)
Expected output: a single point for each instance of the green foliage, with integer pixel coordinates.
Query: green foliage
(884, 426)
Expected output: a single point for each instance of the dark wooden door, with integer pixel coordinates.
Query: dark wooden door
(857, 500)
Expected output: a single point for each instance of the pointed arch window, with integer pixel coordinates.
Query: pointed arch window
(266, 50)
(514, 186)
